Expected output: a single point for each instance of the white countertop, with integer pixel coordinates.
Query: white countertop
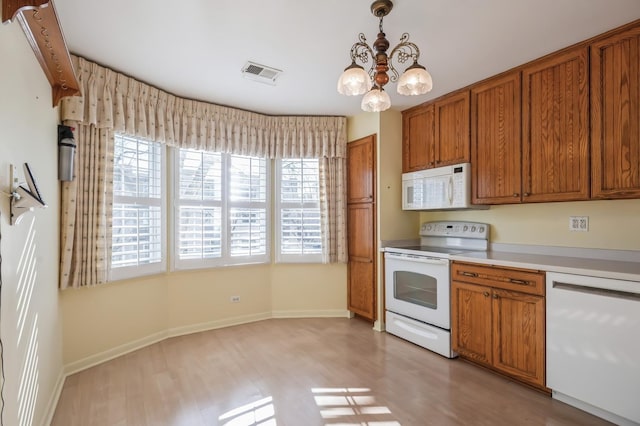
(615, 269)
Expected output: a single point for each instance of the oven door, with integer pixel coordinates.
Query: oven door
(418, 287)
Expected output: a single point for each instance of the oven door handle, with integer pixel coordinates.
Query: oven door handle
(415, 258)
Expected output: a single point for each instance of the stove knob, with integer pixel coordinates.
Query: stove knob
(473, 229)
(481, 229)
(428, 227)
(466, 228)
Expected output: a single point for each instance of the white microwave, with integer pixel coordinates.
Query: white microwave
(441, 188)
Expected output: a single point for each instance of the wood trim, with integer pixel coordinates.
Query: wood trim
(41, 26)
(10, 8)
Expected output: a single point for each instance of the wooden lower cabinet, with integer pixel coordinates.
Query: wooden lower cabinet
(471, 321)
(499, 327)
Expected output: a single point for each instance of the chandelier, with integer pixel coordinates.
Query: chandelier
(356, 81)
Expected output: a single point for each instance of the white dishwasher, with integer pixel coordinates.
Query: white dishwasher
(593, 345)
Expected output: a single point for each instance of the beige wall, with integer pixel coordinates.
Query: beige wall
(394, 223)
(319, 290)
(98, 319)
(202, 297)
(613, 224)
(113, 318)
(30, 319)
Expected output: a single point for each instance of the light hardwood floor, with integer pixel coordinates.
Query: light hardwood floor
(300, 372)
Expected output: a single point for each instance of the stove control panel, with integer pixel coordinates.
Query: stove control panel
(455, 229)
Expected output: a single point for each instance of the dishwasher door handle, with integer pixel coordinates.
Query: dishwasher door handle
(620, 294)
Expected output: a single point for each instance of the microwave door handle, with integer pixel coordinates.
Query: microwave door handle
(450, 190)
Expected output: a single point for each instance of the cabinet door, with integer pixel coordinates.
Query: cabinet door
(360, 163)
(360, 293)
(471, 321)
(518, 335)
(452, 129)
(555, 128)
(615, 116)
(495, 141)
(361, 297)
(360, 223)
(418, 135)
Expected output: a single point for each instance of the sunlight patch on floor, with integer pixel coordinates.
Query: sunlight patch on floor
(352, 407)
(258, 413)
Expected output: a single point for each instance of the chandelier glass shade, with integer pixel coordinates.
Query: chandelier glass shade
(355, 80)
(375, 100)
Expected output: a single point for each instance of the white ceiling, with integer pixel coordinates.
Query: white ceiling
(196, 48)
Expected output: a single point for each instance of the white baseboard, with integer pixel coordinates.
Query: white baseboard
(112, 353)
(53, 400)
(212, 325)
(327, 313)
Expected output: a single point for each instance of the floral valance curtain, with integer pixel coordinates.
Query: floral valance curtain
(112, 102)
(115, 101)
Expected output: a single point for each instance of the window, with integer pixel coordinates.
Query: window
(221, 209)
(299, 236)
(138, 237)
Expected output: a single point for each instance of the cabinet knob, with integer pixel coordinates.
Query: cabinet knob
(486, 294)
(526, 194)
(495, 296)
(516, 195)
(431, 163)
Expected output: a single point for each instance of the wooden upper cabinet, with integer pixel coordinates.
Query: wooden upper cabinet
(555, 128)
(436, 134)
(360, 169)
(615, 116)
(495, 140)
(452, 129)
(418, 138)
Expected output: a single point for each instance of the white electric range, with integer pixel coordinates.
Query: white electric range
(417, 282)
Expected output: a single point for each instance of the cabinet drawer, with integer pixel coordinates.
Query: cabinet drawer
(522, 280)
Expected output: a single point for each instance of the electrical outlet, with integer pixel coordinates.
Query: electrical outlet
(579, 223)
(235, 299)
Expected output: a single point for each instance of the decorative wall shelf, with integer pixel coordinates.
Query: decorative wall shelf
(40, 24)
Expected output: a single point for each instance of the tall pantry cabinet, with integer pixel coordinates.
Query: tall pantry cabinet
(361, 227)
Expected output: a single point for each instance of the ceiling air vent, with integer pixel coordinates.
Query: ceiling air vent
(261, 73)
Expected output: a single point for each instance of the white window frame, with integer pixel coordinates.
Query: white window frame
(280, 205)
(125, 272)
(226, 205)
